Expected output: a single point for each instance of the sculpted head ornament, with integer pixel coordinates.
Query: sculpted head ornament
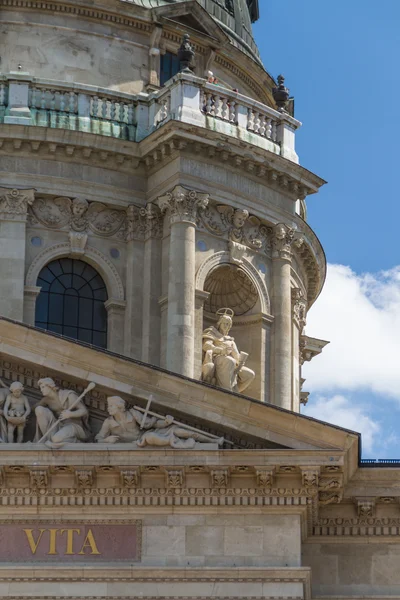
(79, 207)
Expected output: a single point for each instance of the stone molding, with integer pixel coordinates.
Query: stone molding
(14, 203)
(93, 256)
(223, 258)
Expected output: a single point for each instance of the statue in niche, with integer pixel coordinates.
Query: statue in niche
(16, 412)
(223, 364)
(61, 415)
(127, 425)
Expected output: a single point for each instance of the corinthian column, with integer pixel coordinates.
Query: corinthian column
(13, 212)
(283, 238)
(181, 207)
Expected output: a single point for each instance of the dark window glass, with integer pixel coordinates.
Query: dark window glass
(169, 67)
(71, 301)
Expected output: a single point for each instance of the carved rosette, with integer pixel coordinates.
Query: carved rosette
(182, 205)
(143, 223)
(283, 240)
(299, 307)
(14, 203)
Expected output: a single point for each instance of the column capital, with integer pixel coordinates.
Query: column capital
(143, 223)
(283, 239)
(182, 204)
(14, 203)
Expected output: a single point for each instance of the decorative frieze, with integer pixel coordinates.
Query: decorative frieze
(14, 203)
(265, 477)
(174, 478)
(219, 478)
(130, 478)
(310, 476)
(38, 478)
(84, 478)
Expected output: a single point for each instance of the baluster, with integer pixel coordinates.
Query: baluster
(71, 102)
(113, 109)
(43, 100)
(209, 104)
(52, 100)
(62, 102)
(257, 122)
(268, 132)
(250, 119)
(263, 127)
(224, 109)
(130, 114)
(273, 131)
(33, 97)
(218, 106)
(94, 108)
(104, 108)
(232, 111)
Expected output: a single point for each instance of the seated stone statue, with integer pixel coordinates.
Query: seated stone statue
(55, 406)
(127, 425)
(223, 364)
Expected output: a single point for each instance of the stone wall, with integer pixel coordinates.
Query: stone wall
(361, 568)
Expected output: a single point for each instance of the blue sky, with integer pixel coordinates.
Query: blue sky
(340, 62)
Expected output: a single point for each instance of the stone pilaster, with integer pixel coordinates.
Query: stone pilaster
(299, 312)
(181, 207)
(115, 324)
(152, 284)
(283, 238)
(13, 212)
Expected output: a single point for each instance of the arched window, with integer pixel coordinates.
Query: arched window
(71, 301)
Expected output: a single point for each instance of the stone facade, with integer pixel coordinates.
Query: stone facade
(184, 202)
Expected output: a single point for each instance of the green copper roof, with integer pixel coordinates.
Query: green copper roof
(234, 17)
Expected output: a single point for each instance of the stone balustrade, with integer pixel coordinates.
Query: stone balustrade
(25, 100)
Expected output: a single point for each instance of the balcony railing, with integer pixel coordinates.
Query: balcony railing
(58, 105)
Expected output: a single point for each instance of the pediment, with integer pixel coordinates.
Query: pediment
(28, 354)
(190, 14)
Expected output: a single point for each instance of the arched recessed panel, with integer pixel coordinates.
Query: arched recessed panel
(71, 301)
(229, 286)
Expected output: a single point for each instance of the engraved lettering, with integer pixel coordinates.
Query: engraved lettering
(52, 541)
(89, 543)
(70, 539)
(32, 544)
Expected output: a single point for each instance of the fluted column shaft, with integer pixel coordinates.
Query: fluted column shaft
(282, 310)
(181, 207)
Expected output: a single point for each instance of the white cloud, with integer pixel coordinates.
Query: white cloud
(360, 316)
(341, 411)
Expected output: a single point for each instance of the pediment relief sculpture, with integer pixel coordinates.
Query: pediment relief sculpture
(223, 364)
(145, 428)
(14, 412)
(237, 225)
(62, 417)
